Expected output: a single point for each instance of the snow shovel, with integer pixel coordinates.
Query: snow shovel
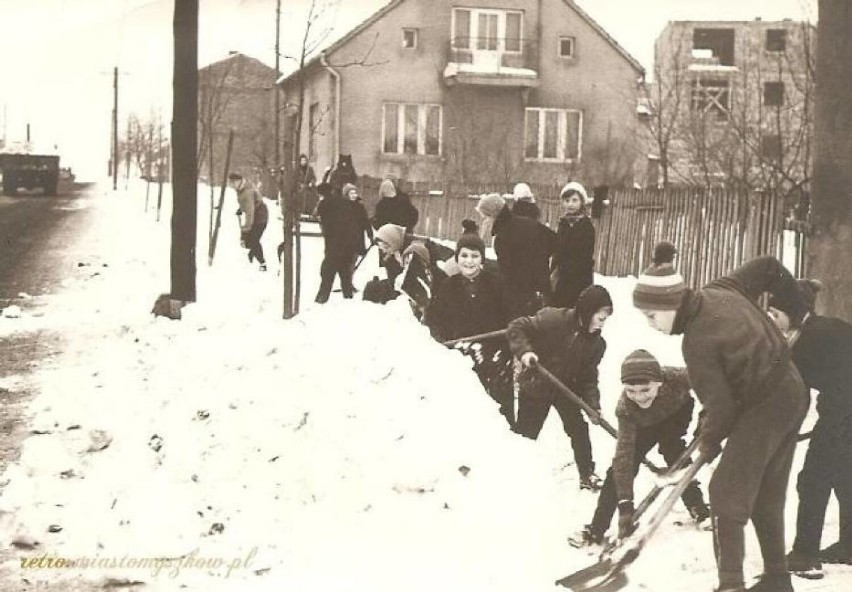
(364, 256)
(608, 574)
(479, 337)
(592, 413)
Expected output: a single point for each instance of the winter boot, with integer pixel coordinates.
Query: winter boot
(774, 582)
(586, 537)
(263, 267)
(804, 565)
(591, 482)
(699, 513)
(836, 553)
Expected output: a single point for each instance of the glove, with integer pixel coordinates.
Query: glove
(239, 212)
(626, 526)
(595, 418)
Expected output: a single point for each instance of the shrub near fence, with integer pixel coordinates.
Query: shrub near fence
(714, 231)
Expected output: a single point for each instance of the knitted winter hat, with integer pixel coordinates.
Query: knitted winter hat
(571, 187)
(387, 189)
(796, 307)
(659, 287)
(346, 189)
(640, 366)
(590, 301)
(522, 192)
(491, 205)
(419, 249)
(393, 235)
(470, 240)
(664, 252)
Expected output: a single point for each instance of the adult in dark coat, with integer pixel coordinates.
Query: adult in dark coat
(753, 396)
(822, 351)
(344, 223)
(523, 247)
(573, 254)
(394, 207)
(569, 344)
(343, 173)
(306, 185)
(525, 202)
(470, 303)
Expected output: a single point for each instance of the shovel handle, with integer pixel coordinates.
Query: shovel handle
(479, 337)
(592, 413)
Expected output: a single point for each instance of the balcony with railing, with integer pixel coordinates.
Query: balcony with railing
(492, 61)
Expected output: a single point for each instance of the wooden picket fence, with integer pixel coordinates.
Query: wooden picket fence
(714, 231)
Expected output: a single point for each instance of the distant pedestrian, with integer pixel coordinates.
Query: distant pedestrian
(394, 207)
(306, 185)
(343, 173)
(523, 247)
(343, 222)
(255, 217)
(573, 256)
(525, 202)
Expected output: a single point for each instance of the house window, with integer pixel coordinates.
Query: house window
(718, 41)
(313, 123)
(776, 40)
(409, 128)
(770, 147)
(773, 94)
(553, 134)
(483, 29)
(409, 38)
(711, 95)
(566, 47)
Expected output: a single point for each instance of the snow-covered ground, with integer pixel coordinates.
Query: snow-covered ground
(343, 449)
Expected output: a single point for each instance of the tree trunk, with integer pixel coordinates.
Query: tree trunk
(830, 249)
(184, 150)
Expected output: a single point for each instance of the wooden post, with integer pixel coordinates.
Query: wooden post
(211, 251)
(184, 149)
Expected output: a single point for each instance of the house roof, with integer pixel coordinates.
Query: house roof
(235, 55)
(609, 38)
(345, 39)
(394, 3)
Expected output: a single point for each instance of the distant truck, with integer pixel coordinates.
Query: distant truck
(29, 171)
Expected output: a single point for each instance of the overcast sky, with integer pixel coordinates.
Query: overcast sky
(58, 55)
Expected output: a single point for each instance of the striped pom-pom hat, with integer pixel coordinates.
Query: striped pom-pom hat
(639, 367)
(659, 287)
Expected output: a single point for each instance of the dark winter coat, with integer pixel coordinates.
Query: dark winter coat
(343, 173)
(344, 224)
(523, 248)
(396, 210)
(463, 307)
(307, 178)
(573, 259)
(671, 399)
(823, 355)
(527, 209)
(563, 346)
(736, 356)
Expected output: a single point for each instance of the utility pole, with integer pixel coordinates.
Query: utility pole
(184, 150)
(115, 128)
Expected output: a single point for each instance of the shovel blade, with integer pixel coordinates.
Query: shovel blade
(581, 580)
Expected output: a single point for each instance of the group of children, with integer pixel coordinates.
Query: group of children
(749, 370)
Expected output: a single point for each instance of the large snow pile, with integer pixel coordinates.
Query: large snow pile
(342, 449)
